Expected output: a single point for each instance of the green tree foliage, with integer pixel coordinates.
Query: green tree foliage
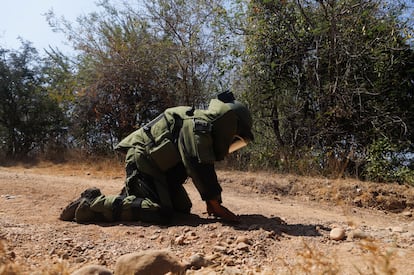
(204, 45)
(135, 62)
(328, 77)
(389, 162)
(125, 76)
(29, 118)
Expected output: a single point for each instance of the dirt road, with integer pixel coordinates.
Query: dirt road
(279, 233)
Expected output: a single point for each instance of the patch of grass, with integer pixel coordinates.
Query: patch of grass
(310, 260)
(8, 266)
(378, 259)
(87, 166)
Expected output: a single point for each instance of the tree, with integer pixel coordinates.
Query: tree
(204, 47)
(133, 63)
(329, 77)
(29, 118)
(125, 75)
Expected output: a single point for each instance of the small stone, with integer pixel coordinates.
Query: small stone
(78, 248)
(407, 213)
(398, 229)
(180, 240)
(80, 260)
(270, 234)
(243, 239)
(242, 247)
(230, 262)
(220, 248)
(198, 261)
(9, 197)
(357, 234)
(92, 269)
(11, 255)
(337, 234)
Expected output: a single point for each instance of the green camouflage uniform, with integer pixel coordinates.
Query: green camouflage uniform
(180, 143)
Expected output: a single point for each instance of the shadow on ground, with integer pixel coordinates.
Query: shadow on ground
(248, 222)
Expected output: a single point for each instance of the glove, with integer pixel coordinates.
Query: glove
(214, 208)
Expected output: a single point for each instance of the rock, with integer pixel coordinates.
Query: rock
(80, 260)
(92, 270)
(407, 213)
(180, 240)
(198, 261)
(242, 247)
(230, 270)
(220, 248)
(243, 239)
(149, 262)
(398, 229)
(357, 234)
(337, 234)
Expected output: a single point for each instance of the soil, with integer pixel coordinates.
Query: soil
(285, 227)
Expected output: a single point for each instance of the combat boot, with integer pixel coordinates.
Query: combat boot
(68, 214)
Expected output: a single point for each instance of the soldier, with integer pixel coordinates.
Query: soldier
(182, 142)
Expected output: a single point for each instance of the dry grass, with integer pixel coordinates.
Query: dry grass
(9, 267)
(313, 261)
(376, 261)
(100, 168)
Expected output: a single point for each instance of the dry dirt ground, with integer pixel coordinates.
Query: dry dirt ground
(285, 228)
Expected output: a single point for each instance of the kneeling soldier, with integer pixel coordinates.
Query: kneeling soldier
(182, 142)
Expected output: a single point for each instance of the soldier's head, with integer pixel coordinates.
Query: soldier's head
(244, 121)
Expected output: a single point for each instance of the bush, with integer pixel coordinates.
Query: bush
(389, 162)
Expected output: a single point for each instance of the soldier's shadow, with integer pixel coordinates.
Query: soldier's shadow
(279, 226)
(273, 225)
(257, 221)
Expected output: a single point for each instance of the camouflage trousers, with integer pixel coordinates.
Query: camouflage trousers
(169, 193)
(119, 208)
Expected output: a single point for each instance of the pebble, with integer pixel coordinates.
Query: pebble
(357, 234)
(198, 261)
(398, 229)
(242, 247)
(220, 248)
(337, 234)
(180, 240)
(8, 197)
(80, 260)
(243, 239)
(153, 237)
(92, 269)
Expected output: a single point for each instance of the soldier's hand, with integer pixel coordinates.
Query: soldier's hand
(214, 208)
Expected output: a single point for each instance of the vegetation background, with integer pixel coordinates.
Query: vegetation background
(330, 82)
